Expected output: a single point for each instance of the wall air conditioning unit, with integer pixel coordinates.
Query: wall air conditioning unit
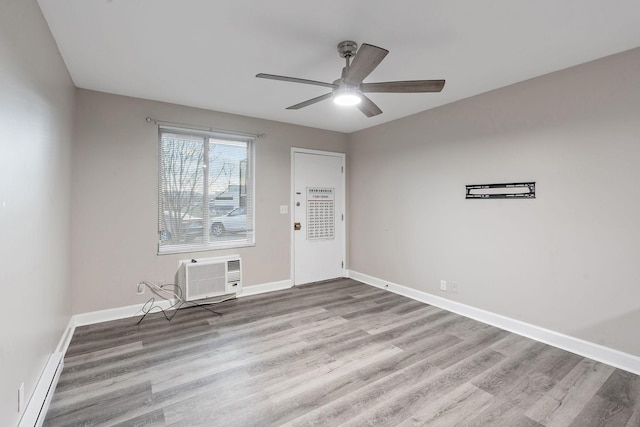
(210, 277)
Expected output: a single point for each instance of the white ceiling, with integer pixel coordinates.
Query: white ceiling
(206, 53)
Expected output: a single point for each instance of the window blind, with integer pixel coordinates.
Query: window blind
(205, 191)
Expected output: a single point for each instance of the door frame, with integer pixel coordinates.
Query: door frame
(343, 158)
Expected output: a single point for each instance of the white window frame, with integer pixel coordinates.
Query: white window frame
(249, 180)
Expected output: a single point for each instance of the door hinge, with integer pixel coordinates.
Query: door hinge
(342, 216)
(342, 169)
(342, 264)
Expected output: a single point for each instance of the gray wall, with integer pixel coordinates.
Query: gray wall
(568, 260)
(36, 124)
(115, 196)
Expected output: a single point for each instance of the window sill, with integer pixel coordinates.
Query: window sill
(168, 250)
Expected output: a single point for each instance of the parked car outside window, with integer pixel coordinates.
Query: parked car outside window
(233, 222)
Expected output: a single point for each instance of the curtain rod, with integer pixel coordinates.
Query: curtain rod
(206, 128)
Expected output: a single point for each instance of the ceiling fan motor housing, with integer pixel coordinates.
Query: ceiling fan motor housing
(349, 89)
(347, 49)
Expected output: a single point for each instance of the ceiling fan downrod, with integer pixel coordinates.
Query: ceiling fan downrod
(347, 50)
(349, 89)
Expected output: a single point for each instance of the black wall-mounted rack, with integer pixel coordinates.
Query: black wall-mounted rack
(502, 191)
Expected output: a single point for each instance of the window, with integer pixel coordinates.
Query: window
(205, 191)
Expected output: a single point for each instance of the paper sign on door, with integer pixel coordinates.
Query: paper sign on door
(320, 213)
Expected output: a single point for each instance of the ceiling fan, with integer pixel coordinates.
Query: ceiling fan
(349, 89)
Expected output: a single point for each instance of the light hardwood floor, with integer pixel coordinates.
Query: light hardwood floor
(336, 353)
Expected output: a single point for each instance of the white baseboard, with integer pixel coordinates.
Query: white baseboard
(65, 339)
(600, 353)
(36, 410)
(38, 405)
(266, 287)
(115, 313)
(132, 310)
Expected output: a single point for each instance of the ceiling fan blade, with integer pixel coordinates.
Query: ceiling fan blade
(368, 107)
(408, 86)
(311, 101)
(294, 80)
(366, 60)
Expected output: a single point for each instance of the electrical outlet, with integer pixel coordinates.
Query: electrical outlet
(20, 397)
(453, 287)
(140, 288)
(443, 285)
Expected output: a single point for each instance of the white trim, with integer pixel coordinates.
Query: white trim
(343, 158)
(38, 405)
(594, 351)
(231, 244)
(39, 401)
(115, 313)
(133, 310)
(265, 287)
(65, 339)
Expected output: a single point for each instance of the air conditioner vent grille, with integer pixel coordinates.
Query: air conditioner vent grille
(233, 271)
(210, 277)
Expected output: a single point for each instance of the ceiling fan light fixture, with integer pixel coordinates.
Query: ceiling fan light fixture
(347, 96)
(349, 89)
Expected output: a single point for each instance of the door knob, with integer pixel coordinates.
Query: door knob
(297, 226)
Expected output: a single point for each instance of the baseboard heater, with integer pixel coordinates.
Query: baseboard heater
(210, 277)
(36, 409)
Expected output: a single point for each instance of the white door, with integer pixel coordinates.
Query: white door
(318, 215)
